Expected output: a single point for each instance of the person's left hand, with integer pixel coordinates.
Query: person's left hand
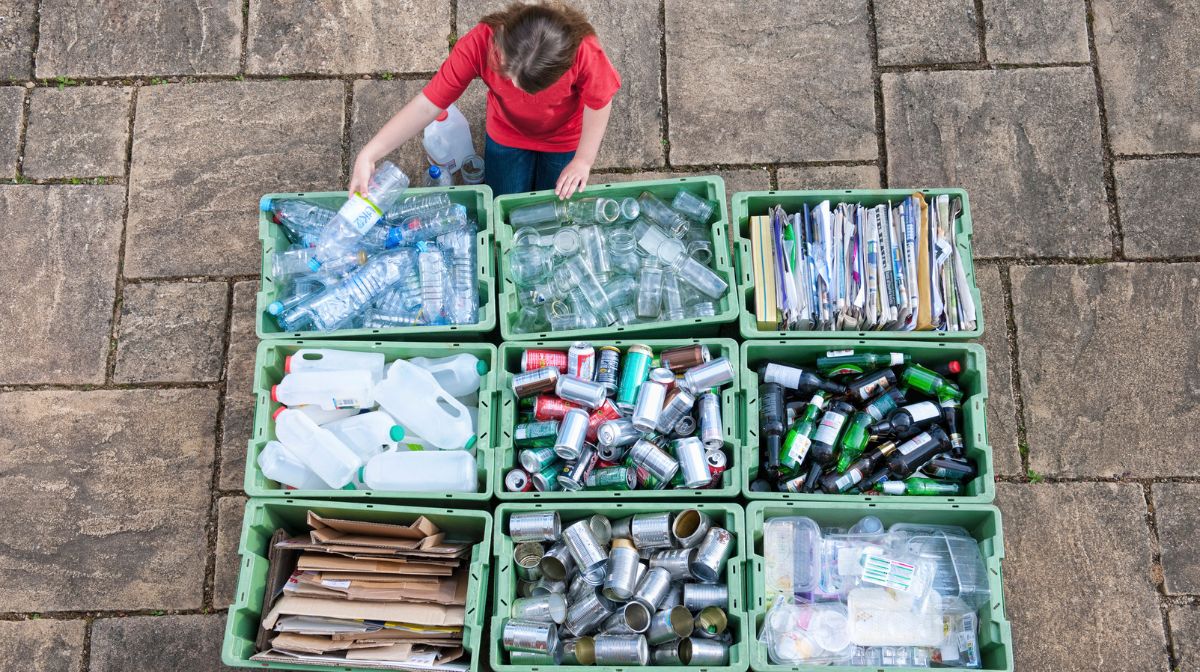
(573, 178)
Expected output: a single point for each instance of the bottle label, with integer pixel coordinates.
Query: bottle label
(848, 479)
(360, 213)
(897, 358)
(798, 450)
(784, 375)
(839, 353)
(831, 426)
(925, 410)
(914, 444)
(347, 403)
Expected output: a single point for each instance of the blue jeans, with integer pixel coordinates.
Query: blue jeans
(508, 170)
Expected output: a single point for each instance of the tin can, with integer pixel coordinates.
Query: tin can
(678, 404)
(573, 475)
(536, 359)
(711, 431)
(534, 526)
(621, 578)
(547, 586)
(530, 658)
(610, 456)
(651, 530)
(650, 399)
(677, 563)
(634, 371)
(531, 636)
(619, 432)
(571, 434)
(666, 654)
(684, 357)
(655, 461)
(608, 365)
(712, 374)
(534, 460)
(718, 463)
(517, 480)
(589, 555)
(674, 598)
(690, 527)
(549, 608)
(617, 650)
(535, 382)
(605, 412)
(581, 360)
(549, 407)
(692, 464)
(586, 615)
(557, 563)
(525, 588)
(686, 426)
(711, 554)
(710, 622)
(535, 434)
(601, 528)
(586, 393)
(630, 618)
(612, 478)
(697, 596)
(546, 480)
(527, 560)
(653, 588)
(704, 652)
(578, 651)
(669, 625)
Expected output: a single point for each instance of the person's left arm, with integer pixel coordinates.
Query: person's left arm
(574, 177)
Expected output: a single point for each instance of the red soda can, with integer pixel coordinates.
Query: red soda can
(718, 462)
(581, 360)
(607, 411)
(604, 464)
(518, 481)
(535, 359)
(549, 407)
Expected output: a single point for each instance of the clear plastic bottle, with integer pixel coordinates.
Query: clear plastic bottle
(693, 207)
(316, 447)
(400, 304)
(437, 176)
(338, 304)
(649, 297)
(279, 465)
(416, 205)
(460, 374)
(435, 282)
(459, 245)
(662, 214)
(290, 263)
(360, 212)
(433, 223)
(303, 288)
(301, 220)
(422, 471)
(412, 396)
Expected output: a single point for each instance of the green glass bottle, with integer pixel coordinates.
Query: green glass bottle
(866, 360)
(919, 486)
(922, 379)
(799, 437)
(854, 440)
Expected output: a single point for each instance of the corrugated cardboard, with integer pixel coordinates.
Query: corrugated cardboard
(315, 562)
(419, 614)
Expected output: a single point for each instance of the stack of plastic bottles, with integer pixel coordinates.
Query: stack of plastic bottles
(907, 596)
(599, 262)
(378, 262)
(347, 422)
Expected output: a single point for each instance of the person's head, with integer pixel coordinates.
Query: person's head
(536, 44)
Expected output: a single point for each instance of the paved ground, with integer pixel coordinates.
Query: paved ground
(135, 139)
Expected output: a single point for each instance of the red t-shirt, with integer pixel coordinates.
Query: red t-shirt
(548, 121)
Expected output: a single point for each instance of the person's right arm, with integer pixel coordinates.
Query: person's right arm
(402, 127)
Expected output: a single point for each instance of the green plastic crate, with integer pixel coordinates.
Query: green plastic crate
(478, 201)
(729, 516)
(972, 380)
(264, 516)
(506, 454)
(710, 187)
(268, 371)
(753, 203)
(982, 521)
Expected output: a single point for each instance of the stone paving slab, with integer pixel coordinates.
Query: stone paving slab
(1024, 143)
(1177, 517)
(114, 38)
(736, 96)
(229, 533)
(12, 98)
(239, 387)
(1185, 633)
(17, 19)
(171, 332)
(158, 643)
(41, 645)
(1078, 588)
(919, 32)
(1001, 403)
(1108, 370)
(203, 154)
(1158, 209)
(62, 246)
(336, 37)
(1049, 31)
(77, 131)
(1148, 53)
(829, 177)
(116, 485)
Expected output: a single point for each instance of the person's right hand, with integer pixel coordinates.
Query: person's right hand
(360, 173)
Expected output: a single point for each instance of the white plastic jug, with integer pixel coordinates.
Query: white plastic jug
(447, 140)
(321, 359)
(280, 465)
(327, 389)
(422, 471)
(368, 434)
(413, 397)
(324, 417)
(460, 374)
(316, 447)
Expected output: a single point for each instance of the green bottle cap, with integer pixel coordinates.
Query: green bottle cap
(481, 367)
(396, 433)
(471, 442)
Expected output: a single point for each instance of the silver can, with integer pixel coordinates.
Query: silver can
(711, 555)
(667, 654)
(586, 393)
(574, 474)
(711, 431)
(621, 528)
(578, 651)
(697, 596)
(653, 588)
(710, 623)
(712, 374)
(677, 562)
(572, 431)
(530, 658)
(686, 426)
(527, 559)
(651, 530)
(622, 650)
(678, 404)
(578, 589)
(529, 636)
(546, 586)
(704, 652)
(586, 550)
(525, 588)
(548, 608)
(534, 460)
(585, 616)
(690, 527)
(534, 526)
(602, 528)
(623, 564)
(535, 382)
(517, 480)
(668, 625)
(655, 461)
(690, 453)
(673, 599)
(581, 360)
(557, 563)
(617, 433)
(631, 618)
(651, 397)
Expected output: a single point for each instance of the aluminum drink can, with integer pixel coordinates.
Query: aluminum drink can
(634, 371)
(586, 393)
(537, 381)
(517, 480)
(608, 364)
(605, 412)
(711, 432)
(549, 407)
(581, 361)
(535, 434)
(685, 357)
(535, 359)
(612, 478)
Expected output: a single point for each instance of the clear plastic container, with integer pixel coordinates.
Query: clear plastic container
(792, 551)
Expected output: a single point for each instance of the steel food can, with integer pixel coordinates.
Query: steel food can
(710, 622)
(690, 527)
(684, 357)
(692, 463)
(676, 562)
(677, 405)
(534, 460)
(573, 475)
(711, 431)
(578, 651)
(669, 625)
(621, 578)
(535, 434)
(586, 615)
(651, 530)
(703, 652)
(572, 432)
(549, 608)
(517, 480)
(711, 554)
(652, 588)
(697, 596)
(557, 562)
(535, 382)
(608, 365)
(601, 528)
(606, 412)
(536, 359)
(550, 407)
(612, 478)
(581, 360)
(630, 618)
(712, 374)
(527, 559)
(530, 658)
(546, 586)
(634, 371)
(613, 650)
(534, 526)
(531, 636)
(667, 654)
(589, 555)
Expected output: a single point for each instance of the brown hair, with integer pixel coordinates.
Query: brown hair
(537, 42)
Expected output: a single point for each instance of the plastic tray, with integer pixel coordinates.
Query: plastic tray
(753, 203)
(264, 516)
(506, 454)
(710, 187)
(973, 380)
(729, 516)
(983, 521)
(478, 201)
(268, 371)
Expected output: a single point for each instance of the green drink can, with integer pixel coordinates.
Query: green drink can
(534, 460)
(634, 371)
(535, 434)
(612, 478)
